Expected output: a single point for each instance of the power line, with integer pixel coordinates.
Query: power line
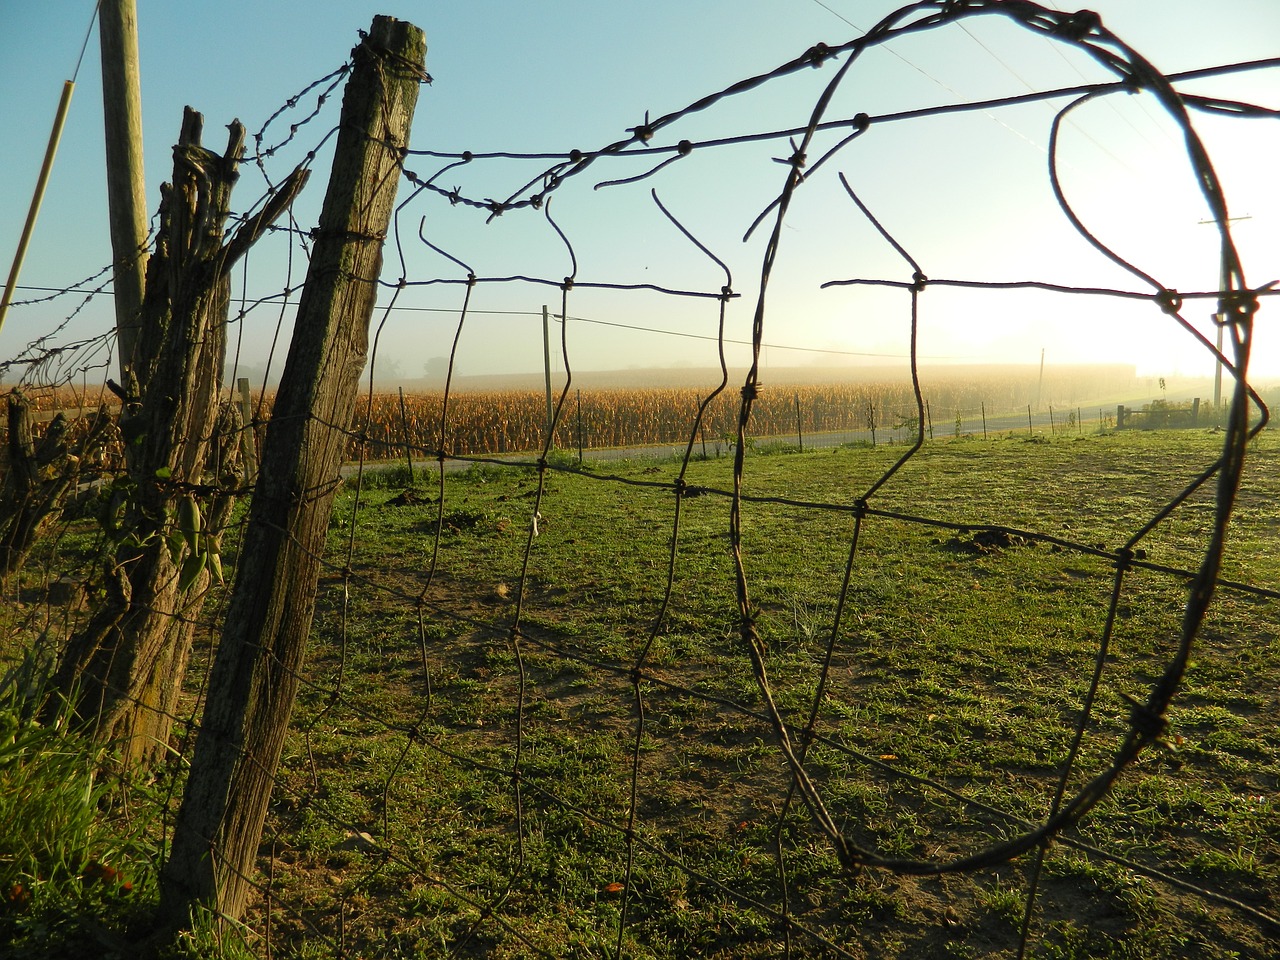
(888, 50)
(85, 46)
(747, 343)
(1022, 80)
(951, 90)
(1140, 101)
(1017, 76)
(608, 323)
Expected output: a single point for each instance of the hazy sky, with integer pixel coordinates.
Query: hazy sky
(968, 195)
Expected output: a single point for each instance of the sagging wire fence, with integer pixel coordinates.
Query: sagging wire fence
(514, 736)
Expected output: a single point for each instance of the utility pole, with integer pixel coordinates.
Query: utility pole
(1040, 382)
(126, 185)
(546, 364)
(1220, 318)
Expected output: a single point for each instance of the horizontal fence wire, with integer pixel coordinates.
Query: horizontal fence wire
(476, 712)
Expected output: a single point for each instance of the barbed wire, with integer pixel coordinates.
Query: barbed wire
(553, 177)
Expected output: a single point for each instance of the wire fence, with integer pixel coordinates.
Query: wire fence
(613, 423)
(558, 711)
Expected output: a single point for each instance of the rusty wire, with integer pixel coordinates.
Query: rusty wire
(792, 740)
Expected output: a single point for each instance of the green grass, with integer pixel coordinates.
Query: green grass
(959, 662)
(76, 858)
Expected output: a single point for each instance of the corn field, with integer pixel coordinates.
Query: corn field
(497, 422)
(510, 421)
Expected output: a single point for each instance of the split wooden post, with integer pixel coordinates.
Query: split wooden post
(123, 668)
(255, 673)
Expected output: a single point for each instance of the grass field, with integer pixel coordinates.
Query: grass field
(511, 745)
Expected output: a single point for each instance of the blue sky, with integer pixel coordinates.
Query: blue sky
(968, 196)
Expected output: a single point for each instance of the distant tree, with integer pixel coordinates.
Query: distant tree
(437, 368)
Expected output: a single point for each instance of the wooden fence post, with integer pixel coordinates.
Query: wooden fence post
(404, 432)
(254, 678)
(123, 668)
(39, 477)
(249, 438)
(799, 424)
(579, 426)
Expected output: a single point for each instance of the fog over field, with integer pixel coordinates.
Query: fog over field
(1065, 384)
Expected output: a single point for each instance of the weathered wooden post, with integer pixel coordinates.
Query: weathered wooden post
(702, 429)
(124, 668)
(404, 433)
(579, 426)
(249, 438)
(254, 678)
(126, 184)
(799, 424)
(39, 477)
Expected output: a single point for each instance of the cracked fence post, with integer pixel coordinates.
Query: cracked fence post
(123, 668)
(254, 677)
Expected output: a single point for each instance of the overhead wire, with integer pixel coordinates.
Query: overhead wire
(93, 17)
(925, 73)
(1142, 104)
(607, 323)
(1017, 76)
(1022, 80)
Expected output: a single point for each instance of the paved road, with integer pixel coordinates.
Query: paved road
(1058, 422)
